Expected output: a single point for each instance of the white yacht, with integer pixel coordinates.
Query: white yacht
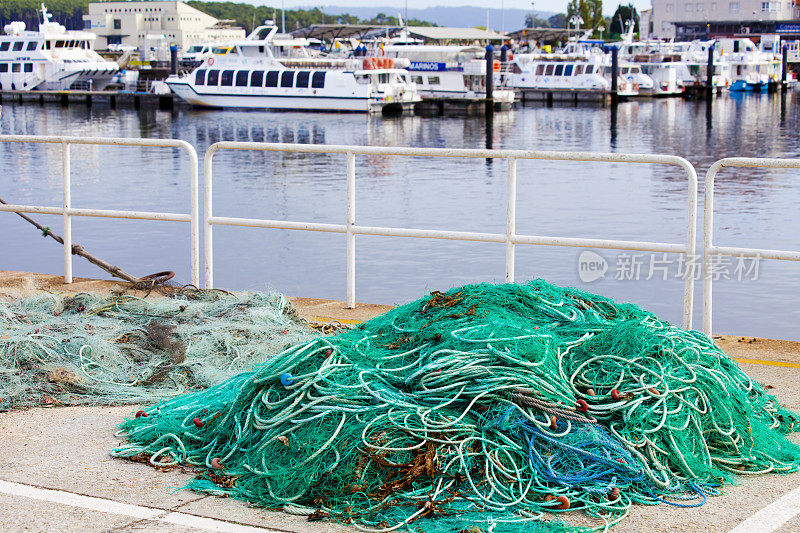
(450, 72)
(275, 74)
(560, 74)
(51, 58)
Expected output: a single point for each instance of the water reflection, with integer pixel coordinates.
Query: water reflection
(755, 207)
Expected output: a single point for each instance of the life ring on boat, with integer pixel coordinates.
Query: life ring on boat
(496, 66)
(210, 61)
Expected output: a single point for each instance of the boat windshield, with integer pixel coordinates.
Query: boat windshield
(194, 49)
(221, 50)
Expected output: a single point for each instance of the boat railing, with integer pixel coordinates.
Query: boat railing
(68, 211)
(510, 238)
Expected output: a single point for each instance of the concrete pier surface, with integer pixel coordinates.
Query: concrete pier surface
(56, 473)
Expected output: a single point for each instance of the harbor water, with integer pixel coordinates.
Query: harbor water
(754, 207)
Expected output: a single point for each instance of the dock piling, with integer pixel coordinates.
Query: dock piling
(784, 66)
(614, 75)
(710, 73)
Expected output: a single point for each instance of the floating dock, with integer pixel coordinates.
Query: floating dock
(110, 98)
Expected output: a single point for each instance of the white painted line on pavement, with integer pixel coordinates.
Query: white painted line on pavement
(138, 512)
(773, 516)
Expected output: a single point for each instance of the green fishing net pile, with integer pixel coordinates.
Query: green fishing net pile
(486, 408)
(92, 349)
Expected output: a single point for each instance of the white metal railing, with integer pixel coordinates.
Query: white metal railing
(510, 237)
(67, 211)
(709, 249)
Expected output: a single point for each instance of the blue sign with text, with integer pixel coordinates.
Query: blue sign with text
(787, 28)
(429, 66)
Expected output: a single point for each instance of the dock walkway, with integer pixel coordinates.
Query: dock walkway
(56, 473)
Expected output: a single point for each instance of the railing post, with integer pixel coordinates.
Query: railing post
(194, 224)
(66, 204)
(208, 245)
(511, 217)
(351, 237)
(708, 235)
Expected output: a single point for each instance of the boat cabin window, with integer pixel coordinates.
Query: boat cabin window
(433, 80)
(539, 70)
(241, 78)
(578, 70)
(416, 79)
(213, 77)
(59, 44)
(31, 46)
(548, 71)
(226, 78)
(4, 46)
(362, 79)
(624, 70)
(567, 70)
(3, 67)
(302, 78)
(287, 78)
(28, 67)
(318, 80)
(18, 46)
(15, 67)
(272, 78)
(200, 77)
(221, 50)
(559, 70)
(257, 78)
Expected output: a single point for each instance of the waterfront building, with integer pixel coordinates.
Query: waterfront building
(130, 23)
(693, 19)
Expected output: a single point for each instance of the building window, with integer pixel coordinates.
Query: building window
(272, 78)
(87, 24)
(302, 79)
(733, 7)
(213, 77)
(200, 77)
(117, 24)
(226, 78)
(318, 80)
(18, 46)
(700, 7)
(287, 78)
(689, 7)
(765, 6)
(28, 67)
(241, 78)
(257, 78)
(670, 8)
(713, 6)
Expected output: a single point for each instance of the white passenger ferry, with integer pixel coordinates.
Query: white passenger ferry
(266, 74)
(51, 58)
(449, 72)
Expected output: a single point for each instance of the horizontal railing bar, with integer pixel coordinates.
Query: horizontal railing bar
(452, 152)
(105, 141)
(644, 246)
(101, 213)
(754, 162)
(276, 224)
(754, 252)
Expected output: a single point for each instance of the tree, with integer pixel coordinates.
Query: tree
(559, 20)
(621, 16)
(591, 11)
(532, 21)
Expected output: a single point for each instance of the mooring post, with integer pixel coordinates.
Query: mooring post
(784, 66)
(614, 75)
(173, 59)
(489, 78)
(710, 72)
(503, 59)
